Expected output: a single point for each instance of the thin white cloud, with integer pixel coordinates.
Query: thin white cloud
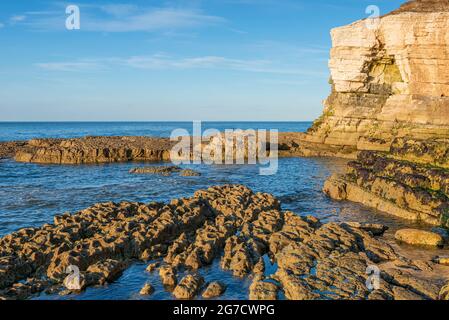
(122, 18)
(17, 18)
(164, 62)
(1, 25)
(152, 20)
(204, 62)
(69, 66)
(119, 9)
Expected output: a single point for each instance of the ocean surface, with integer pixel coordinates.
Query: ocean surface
(31, 194)
(10, 131)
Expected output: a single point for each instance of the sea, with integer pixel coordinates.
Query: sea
(31, 194)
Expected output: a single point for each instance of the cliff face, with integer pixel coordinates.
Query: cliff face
(389, 81)
(390, 105)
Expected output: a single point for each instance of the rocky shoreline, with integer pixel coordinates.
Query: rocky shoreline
(231, 223)
(411, 181)
(387, 113)
(106, 149)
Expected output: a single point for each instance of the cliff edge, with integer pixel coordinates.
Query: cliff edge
(388, 81)
(389, 107)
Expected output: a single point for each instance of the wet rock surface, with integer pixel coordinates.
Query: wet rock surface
(165, 171)
(94, 150)
(147, 290)
(230, 223)
(188, 287)
(189, 173)
(160, 170)
(263, 290)
(9, 149)
(410, 182)
(108, 149)
(419, 237)
(214, 290)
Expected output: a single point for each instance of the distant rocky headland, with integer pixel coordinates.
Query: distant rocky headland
(388, 114)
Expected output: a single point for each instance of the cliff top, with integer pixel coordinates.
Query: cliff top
(423, 6)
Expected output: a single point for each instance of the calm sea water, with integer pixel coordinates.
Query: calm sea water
(10, 131)
(31, 194)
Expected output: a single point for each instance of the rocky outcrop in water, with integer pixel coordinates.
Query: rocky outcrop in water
(214, 290)
(91, 150)
(230, 223)
(94, 150)
(388, 81)
(411, 182)
(165, 171)
(158, 170)
(9, 149)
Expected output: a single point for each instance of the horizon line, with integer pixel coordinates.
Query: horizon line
(147, 121)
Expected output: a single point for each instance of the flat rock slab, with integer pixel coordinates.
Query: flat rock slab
(419, 237)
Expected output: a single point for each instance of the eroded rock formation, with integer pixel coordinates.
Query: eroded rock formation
(388, 81)
(315, 260)
(90, 150)
(389, 109)
(94, 150)
(411, 182)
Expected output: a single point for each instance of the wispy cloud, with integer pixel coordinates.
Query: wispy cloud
(152, 20)
(70, 66)
(1, 25)
(17, 18)
(204, 62)
(165, 62)
(122, 18)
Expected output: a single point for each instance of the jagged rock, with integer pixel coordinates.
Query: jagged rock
(442, 260)
(147, 290)
(419, 237)
(214, 290)
(444, 293)
(105, 271)
(125, 149)
(162, 170)
(188, 287)
(240, 256)
(374, 228)
(259, 268)
(263, 290)
(8, 149)
(415, 283)
(95, 150)
(408, 190)
(152, 267)
(314, 260)
(189, 173)
(168, 276)
(404, 294)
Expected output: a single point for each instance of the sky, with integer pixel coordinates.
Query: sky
(176, 60)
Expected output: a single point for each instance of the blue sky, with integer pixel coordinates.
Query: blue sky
(170, 60)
